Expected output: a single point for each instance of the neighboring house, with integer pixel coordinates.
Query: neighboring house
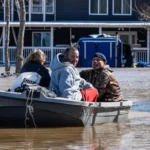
(51, 25)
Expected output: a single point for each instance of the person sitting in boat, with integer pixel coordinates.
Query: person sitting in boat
(65, 78)
(33, 71)
(102, 79)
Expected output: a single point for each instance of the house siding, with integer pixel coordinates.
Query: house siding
(28, 36)
(1, 14)
(49, 17)
(1, 30)
(77, 10)
(15, 15)
(61, 36)
(37, 17)
(83, 32)
(27, 17)
(11, 41)
(141, 37)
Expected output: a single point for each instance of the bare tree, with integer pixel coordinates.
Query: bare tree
(7, 33)
(20, 43)
(142, 8)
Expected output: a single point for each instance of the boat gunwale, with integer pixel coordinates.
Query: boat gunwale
(60, 100)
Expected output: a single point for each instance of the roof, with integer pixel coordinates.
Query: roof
(131, 24)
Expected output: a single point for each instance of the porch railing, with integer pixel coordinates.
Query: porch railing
(27, 50)
(140, 54)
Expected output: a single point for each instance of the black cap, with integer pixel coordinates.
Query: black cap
(100, 55)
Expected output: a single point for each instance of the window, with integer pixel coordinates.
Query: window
(37, 6)
(41, 39)
(122, 7)
(49, 6)
(98, 7)
(27, 6)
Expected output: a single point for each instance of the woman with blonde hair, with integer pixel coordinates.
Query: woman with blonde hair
(33, 71)
(35, 63)
(36, 56)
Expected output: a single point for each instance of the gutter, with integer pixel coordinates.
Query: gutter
(79, 24)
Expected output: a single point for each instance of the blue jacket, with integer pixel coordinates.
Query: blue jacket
(65, 79)
(142, 64)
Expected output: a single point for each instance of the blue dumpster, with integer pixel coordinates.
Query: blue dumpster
(109, 46)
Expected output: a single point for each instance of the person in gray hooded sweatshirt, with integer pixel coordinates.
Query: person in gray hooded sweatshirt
(65, 78)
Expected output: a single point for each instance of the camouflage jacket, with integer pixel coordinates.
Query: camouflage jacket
(104, 81)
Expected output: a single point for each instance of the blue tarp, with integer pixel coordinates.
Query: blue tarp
(105, 45)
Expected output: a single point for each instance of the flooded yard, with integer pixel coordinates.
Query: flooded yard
(131, 135)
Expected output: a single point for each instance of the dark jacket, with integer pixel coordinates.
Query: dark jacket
(40, 69)
(104, 81)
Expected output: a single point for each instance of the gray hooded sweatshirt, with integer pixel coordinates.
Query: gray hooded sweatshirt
(65, 79)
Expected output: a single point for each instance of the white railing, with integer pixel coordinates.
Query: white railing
(1, 54)
(27, 50)
(140, 54)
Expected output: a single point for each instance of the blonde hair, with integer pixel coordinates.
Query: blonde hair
(36, 56)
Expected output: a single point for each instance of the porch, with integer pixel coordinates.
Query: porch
(47, 36)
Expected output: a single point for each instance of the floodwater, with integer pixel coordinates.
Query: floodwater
(131, 135)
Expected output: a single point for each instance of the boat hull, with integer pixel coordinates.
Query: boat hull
(17, 110)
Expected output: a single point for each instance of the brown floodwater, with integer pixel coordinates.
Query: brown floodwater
(131, 135)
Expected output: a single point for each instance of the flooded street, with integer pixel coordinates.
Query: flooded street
(131, 135)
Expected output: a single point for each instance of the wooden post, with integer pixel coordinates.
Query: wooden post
(30, 4)
(100, 30)
(148, 45)
(4, 11)
(4, 44)
(52, 43)
(44, 10)
(12, 10)
(70, 36)
(116, 49)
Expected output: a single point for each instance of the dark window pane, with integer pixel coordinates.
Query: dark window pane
(45, 39)
(117, 6)
(37, 39)
(49, 6)
(37, 6)
(102, 6)
(37, 2)
(94, 6)
(126, 6)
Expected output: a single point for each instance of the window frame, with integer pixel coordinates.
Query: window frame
(98, 14)
(121, 14)
(46, 7)
(36, 5)
(26, 6)
(41, 40)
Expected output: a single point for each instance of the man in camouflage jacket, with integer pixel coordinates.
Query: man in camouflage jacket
(102, 79)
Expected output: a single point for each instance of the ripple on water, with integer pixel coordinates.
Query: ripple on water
(141, 105)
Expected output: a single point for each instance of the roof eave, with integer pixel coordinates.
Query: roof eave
(80, 24)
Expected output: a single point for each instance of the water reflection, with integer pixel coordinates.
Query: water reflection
(104, 137)
(90, 138)
(132, 135)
